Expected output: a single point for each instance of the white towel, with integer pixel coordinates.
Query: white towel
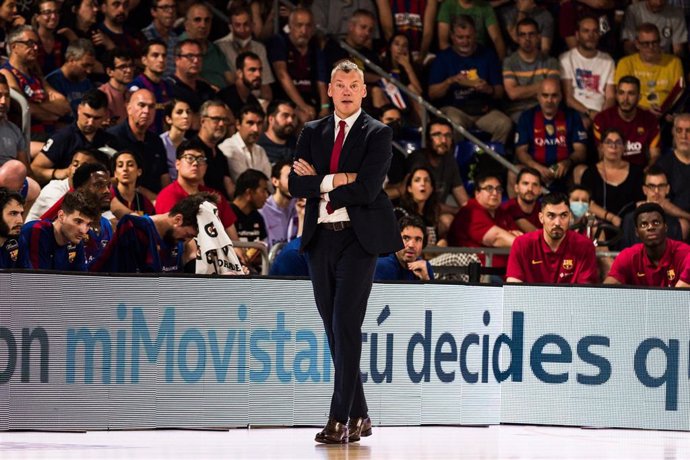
(216, 254)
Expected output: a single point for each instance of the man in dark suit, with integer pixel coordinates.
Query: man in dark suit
(341, 163)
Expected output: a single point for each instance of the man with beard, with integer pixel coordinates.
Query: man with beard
(154, 244)
(241, 150)
(248, 79)
(164, 13)
(59, 245)
(656, 261)
(639, 128)
(525, 207)
(134, 135)
(279, 140)
(54, 159)
(152, 79)
(553, 254)
(114, 32)
(11, 220)
(215, 124)
(279, 212)
(407, 264)
(439, 159)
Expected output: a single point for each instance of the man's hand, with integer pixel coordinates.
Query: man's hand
(303, 168)
(418, 267)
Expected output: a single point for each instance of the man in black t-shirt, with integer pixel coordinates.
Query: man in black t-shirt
(251, 193)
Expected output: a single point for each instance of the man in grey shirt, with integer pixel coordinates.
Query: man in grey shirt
(670, 21)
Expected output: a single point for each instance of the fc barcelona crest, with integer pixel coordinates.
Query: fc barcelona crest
(567, 264)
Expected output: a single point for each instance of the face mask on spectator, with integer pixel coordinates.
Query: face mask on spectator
(579, 208)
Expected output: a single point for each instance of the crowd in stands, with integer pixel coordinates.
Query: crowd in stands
(142, 111)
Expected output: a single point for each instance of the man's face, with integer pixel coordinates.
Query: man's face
(123, 73)
(413, 241)
(198, 23)
(251, 73)
(528, 38)
(587, 35)
(90, 120)
(74, 226)
(528, 188)
(116, 11)
(259, 195)
(360, 31)
(656, 188)
(549, 96)
(192, 166)
(154, 60)
(489, 193)
(241, 26)
(99, 184)
(441, 137)
(164, 13)
(347, 90)
(141, 109)
(250, 128)
(188, 63)
(83, 67)
(301, 28)
(26, 46)
(283, 123)
(79, 159)
(464, 40)
(555, 218)
(180, 232)
(281, 185)
(681, 136)
(655, 6)
(651, 229)
(12, 219)
(649, 46)
(214, 124)
(4, 101)
(126, 169)
(627, 97)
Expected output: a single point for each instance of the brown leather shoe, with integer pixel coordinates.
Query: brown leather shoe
(333, 433)
(360, 426)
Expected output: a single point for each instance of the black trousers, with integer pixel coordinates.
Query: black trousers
(342, 273)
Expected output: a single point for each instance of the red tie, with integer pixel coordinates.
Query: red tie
(335, 155)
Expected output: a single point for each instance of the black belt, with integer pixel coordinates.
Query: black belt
(336, 226)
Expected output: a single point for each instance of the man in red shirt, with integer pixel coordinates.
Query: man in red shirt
(482, 222)
(656, 261)
(554, 254)
(525, 207)
(639, 127)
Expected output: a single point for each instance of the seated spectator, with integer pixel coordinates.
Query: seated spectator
(656, 261)
(14, 176)
(134, 135)
(119, 66)
(656, 189)
(333, 16)
(398, 62)
(215, 124)
(247, 82)
(639, 127)
(550, 139)
(524, 70)
(394, 185)
(465, 81)
(241, 150)
(45, 103)
(279, 213)
(604, 12)
(164, 13)
(9, 19)
(72, 78)
(79, 21)
(124, 196)
(154, 244)
(251, 194)
(657, 71)
(178, 117)
(59, 245)
(676, 165)
(587, 73)
(481, 14)
(52, 48)
(482, 222)
(525, 207)
(290, 260)
(11, 220)
(279, 140)
(92, 177)
(616, 185)
(512, 15)
(416, 20)
(420, 199)
(300, 67)
(407, 264)
(191, 167)
(13, 141)
(197, 26)
(553, 254)
(153, 60)
(53, 161)
(668, 19)
(114, 29)
(188, 85)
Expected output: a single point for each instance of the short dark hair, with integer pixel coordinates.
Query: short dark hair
(249, 180)
(83, 174)
(630, 80)
(649, 207)
(554, 198)
(530, 171)
(3, 80)
(97, 155)
(527, 22)
(274, 106)
(437, 121)
(153, 42)
(83, 202)
(191, 144)
(278, 167)
(653, 170)
(7, 195)
(188, 207)
(483, 176)
(415, 221)
(188, 41)
(577, 187)
(235, 10)
(388, 107)
(95, 98)
(463, 21)
(239, 60)
(250, 108)
(117, 53)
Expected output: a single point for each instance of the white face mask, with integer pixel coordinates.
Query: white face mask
(579, 208)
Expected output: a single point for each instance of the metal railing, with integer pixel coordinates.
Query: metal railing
(265, 264)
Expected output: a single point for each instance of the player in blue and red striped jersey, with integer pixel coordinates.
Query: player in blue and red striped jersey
(59, 245)
(11, 220)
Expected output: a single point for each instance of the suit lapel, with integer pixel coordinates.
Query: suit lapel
(357, 130)
(328, 141)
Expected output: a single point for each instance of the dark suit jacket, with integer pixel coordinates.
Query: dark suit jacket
(366, 151)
